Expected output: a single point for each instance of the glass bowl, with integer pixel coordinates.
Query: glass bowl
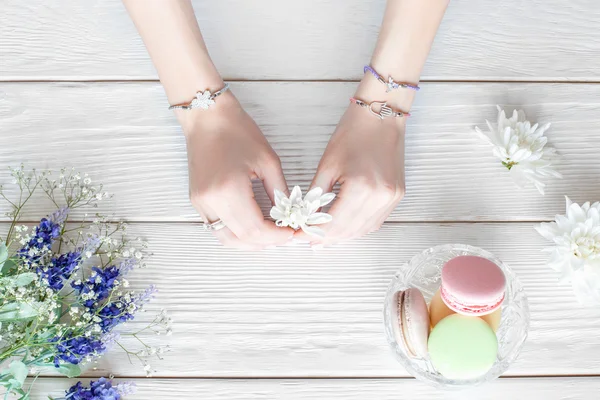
(424, 273)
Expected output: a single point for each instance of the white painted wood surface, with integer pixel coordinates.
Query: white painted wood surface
(304, 40)
(123, 135)
(242, 319)
(343, 389)
(293, 312)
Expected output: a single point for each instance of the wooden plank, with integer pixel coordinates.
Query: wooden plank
(308, 40)
(123, 135)
(341, 389)
(294, 312)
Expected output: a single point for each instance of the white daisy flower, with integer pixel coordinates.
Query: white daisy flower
(576, 250)
(301, 213)
(522, 148)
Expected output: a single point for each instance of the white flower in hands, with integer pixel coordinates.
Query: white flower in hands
(522, 149)
(576, 250)
(301, 213)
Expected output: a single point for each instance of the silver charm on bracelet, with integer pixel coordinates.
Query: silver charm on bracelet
(203, 100)
(384, 111)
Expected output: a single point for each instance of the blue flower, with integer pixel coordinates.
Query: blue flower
(146, 296)
(60, 269)
(123, 309)
(59, 216)
(101, 282)
(78, 392)
(126, 388)
(114, 314)
(102, 389)
(110, 339)
(127, 265)
(91, 244)
(45, 234)
(73, 350)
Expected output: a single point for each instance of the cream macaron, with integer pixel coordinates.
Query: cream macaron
(412, 330)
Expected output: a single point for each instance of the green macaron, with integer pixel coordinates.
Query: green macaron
(462, 347)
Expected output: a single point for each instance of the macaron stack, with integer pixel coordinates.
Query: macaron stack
(457, 331)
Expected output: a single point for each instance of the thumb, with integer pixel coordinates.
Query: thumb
(271, 174)
(325, 179)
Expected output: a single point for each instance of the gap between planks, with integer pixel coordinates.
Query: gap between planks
(198, 222)
(315, 378)
(433, 80)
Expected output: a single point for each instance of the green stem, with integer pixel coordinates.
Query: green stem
(62, 231)
(126, 351)
(21, 205)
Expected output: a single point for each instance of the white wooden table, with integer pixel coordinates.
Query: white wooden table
(77, 88)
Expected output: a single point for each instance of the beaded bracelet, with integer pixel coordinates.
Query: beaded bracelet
(203, 100)
(384, 110)
(391, 84)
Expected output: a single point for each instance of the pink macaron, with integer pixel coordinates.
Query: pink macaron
(472, 285)
(412, 330)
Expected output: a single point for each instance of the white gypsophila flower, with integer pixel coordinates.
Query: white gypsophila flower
(522, 149)
(301, 213)
(576, 250)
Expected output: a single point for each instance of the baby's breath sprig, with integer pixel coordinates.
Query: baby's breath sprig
(76, 190)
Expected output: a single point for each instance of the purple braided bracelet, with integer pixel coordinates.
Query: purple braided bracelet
(390, 83)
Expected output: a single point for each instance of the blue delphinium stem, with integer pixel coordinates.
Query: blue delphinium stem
(48, 230)
(60, 269)
(102, 389)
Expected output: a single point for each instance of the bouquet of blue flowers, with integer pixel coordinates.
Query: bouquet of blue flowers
(63, 284)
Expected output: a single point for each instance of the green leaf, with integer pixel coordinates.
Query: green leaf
(21, 392)
(47, 333)
(17, 374)
(17, 311)
(9, 266)
(24, 395)
(69, 370)
(25, 278)
(3, 255)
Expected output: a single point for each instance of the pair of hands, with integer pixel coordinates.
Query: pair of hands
(227, 150)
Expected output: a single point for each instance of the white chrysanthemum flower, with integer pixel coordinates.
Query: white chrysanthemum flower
(522, 149)
(301, 213)
(576, 250)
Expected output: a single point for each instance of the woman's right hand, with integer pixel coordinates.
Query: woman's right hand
(226, 151)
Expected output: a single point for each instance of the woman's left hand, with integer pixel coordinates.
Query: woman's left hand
(366, 156)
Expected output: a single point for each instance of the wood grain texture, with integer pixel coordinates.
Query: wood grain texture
(308, 40)
(123, 135)
(342, 389)
(294, 312)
